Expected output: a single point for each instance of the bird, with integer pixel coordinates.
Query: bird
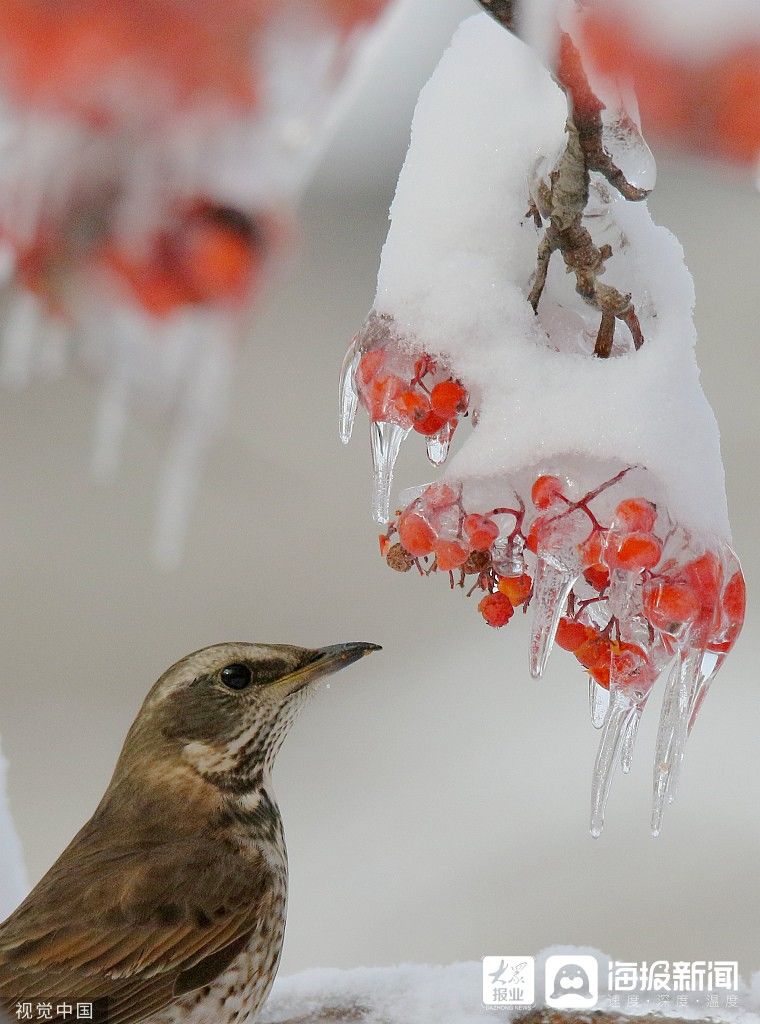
(169, 905)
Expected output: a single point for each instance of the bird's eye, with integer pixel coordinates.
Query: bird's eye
(236, 677)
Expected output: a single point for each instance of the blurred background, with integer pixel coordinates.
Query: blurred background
(435, 799)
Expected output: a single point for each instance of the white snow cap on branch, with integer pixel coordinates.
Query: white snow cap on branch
(456, 271)
(13, 881)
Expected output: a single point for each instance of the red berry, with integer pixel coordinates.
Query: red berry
(450, 554)
(417, 536)
(517, 588)
(594, 653)
(481, 531)
(705, 576)
(669, 605)
(384, 544)
(591, 548)
(635, 515)
(380, 397)
(439, 496)
(413, 406)
(545, 491)
(735, 598)
(448, 399)
(430, 424)
(536, 533)
(635, 551)
(597, 576)
(496, 609)
(571, 634)
(631, 666)
(369, 366)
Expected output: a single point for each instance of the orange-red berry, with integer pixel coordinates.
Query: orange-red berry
(597, 576)
(429, 424)
(571, 634)
(669, 605)
(413, 405)
(448, 399)
(735, 598)
(439, 496)
(545, 491)
(496, 609)
(369, 366)
(705, 576)
(450, 554)
(635, 515)
(417, 536)
(516, 588)
(481, 531)
(635, 551)
(592, 547)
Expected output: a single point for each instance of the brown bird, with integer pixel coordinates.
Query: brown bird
(169, 905)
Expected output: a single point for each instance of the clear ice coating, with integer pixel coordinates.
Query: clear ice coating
(552, 583)
(608, 575)
(624, 565)
(348, 396)
(629, 149)
(385, 439)
(398, 387)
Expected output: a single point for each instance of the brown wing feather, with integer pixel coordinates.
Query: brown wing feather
(126, 922)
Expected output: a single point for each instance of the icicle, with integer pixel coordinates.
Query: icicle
(598, 702)
(673, 731)
(622, 708)
(551, 587)
(385, 439)
(438, 445)
(348, 397)
(629, 740)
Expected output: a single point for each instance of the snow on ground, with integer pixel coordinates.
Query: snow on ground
(452, 994)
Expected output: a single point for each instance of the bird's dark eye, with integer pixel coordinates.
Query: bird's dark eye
(236, 677)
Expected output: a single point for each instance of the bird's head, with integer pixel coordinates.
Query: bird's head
(223, 711)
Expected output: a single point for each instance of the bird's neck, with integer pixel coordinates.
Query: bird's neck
(253, 818)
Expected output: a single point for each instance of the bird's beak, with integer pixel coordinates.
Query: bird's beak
(324, 662)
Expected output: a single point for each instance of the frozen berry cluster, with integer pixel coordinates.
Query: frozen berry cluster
(638, 589)
(413, 391)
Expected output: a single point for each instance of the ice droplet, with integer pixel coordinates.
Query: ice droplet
(673, 731)
(348, 397)
(438, 445)
(551, 587)
(598, 702)
(385, 439)
(628, 148)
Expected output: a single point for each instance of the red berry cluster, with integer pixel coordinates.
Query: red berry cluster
(209, 254)
(414, 392)
(683, 600)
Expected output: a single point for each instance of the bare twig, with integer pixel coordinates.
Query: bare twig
(502, 10)
(564, 201)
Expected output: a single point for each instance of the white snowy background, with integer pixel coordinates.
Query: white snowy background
(435, 799)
